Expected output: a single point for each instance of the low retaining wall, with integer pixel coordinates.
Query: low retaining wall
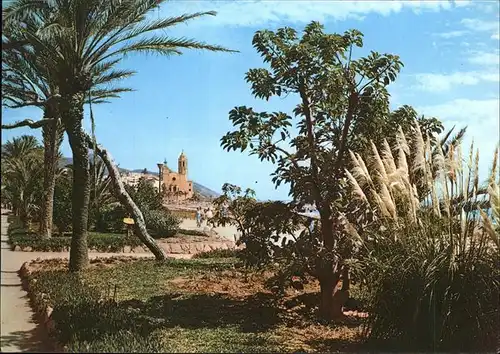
(168, 247)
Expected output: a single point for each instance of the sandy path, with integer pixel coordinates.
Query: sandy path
(228, 232)
(19, 331)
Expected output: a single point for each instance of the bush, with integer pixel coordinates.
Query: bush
(432, 268)
(110, 219)
(161, 223)
(62, 217)
(425, 296)
(218, 253)
(99, 242)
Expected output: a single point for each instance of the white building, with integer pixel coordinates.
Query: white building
(132, 178)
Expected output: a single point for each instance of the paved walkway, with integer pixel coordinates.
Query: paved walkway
(19, 331)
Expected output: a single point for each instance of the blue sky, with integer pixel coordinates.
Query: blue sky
(450, 51)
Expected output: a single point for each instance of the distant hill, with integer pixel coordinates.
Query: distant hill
(198, 188)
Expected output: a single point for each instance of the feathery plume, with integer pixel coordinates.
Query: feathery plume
(493, 172)
(388, 201)
(362, 165)
(466, 187)
(451, 163)
(381, 206)
(476, 171)
(401, 142)
(419, 150)
(387, 158)
(356, 188)
(378, 165)
(435, 200)
(357, 171)
(460, 169)
(402, 162)
(489, 228)
(428, 161)
(494, 193)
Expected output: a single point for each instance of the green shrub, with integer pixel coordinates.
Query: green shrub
(62, 215)
(161, 223)
(99, 242)
(432, 267)
(218, 253)
(110, 219)
(423, 295)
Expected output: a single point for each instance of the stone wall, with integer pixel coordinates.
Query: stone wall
(168, 247)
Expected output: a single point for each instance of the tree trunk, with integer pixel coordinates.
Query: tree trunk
(52, 138)
(331, 298)
(72, 120)
(125, 199)
(330, 306)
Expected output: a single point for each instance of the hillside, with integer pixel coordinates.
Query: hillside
(198, 188)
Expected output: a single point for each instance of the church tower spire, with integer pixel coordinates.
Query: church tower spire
(182, 164)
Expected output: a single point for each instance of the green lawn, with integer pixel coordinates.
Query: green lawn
(152, 307)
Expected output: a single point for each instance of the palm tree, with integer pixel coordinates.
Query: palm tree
(26, 83)
(101, 188)
(16, 148)
(22, 168)
(75, 37)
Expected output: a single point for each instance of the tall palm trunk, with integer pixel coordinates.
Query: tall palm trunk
(52, 139)
(72, 114)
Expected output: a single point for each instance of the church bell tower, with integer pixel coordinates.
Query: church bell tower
(182, 164)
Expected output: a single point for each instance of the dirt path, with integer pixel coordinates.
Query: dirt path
(228, 232)
(19, 331)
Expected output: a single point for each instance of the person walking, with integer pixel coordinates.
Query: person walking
(198, 217)
(209, 216)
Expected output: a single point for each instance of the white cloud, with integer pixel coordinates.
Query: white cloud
(489, 7)
(451, 34)
(481, 118)
(444, 82)
(475, 24)
(495, 36)
(257, 13)
(466, 111)
(484, 58)
(472, 25)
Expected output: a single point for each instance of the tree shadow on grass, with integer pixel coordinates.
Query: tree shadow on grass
(91, 320)
(256, 313)
(334, 345)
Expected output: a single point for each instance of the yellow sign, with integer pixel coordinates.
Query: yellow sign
(128, 221)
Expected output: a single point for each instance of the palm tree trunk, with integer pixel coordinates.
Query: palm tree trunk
(125, 199)
(72, 114)
(52, 138)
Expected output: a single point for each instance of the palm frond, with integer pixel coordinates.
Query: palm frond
(163, 45)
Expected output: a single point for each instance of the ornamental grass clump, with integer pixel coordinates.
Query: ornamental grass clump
(432, 258)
